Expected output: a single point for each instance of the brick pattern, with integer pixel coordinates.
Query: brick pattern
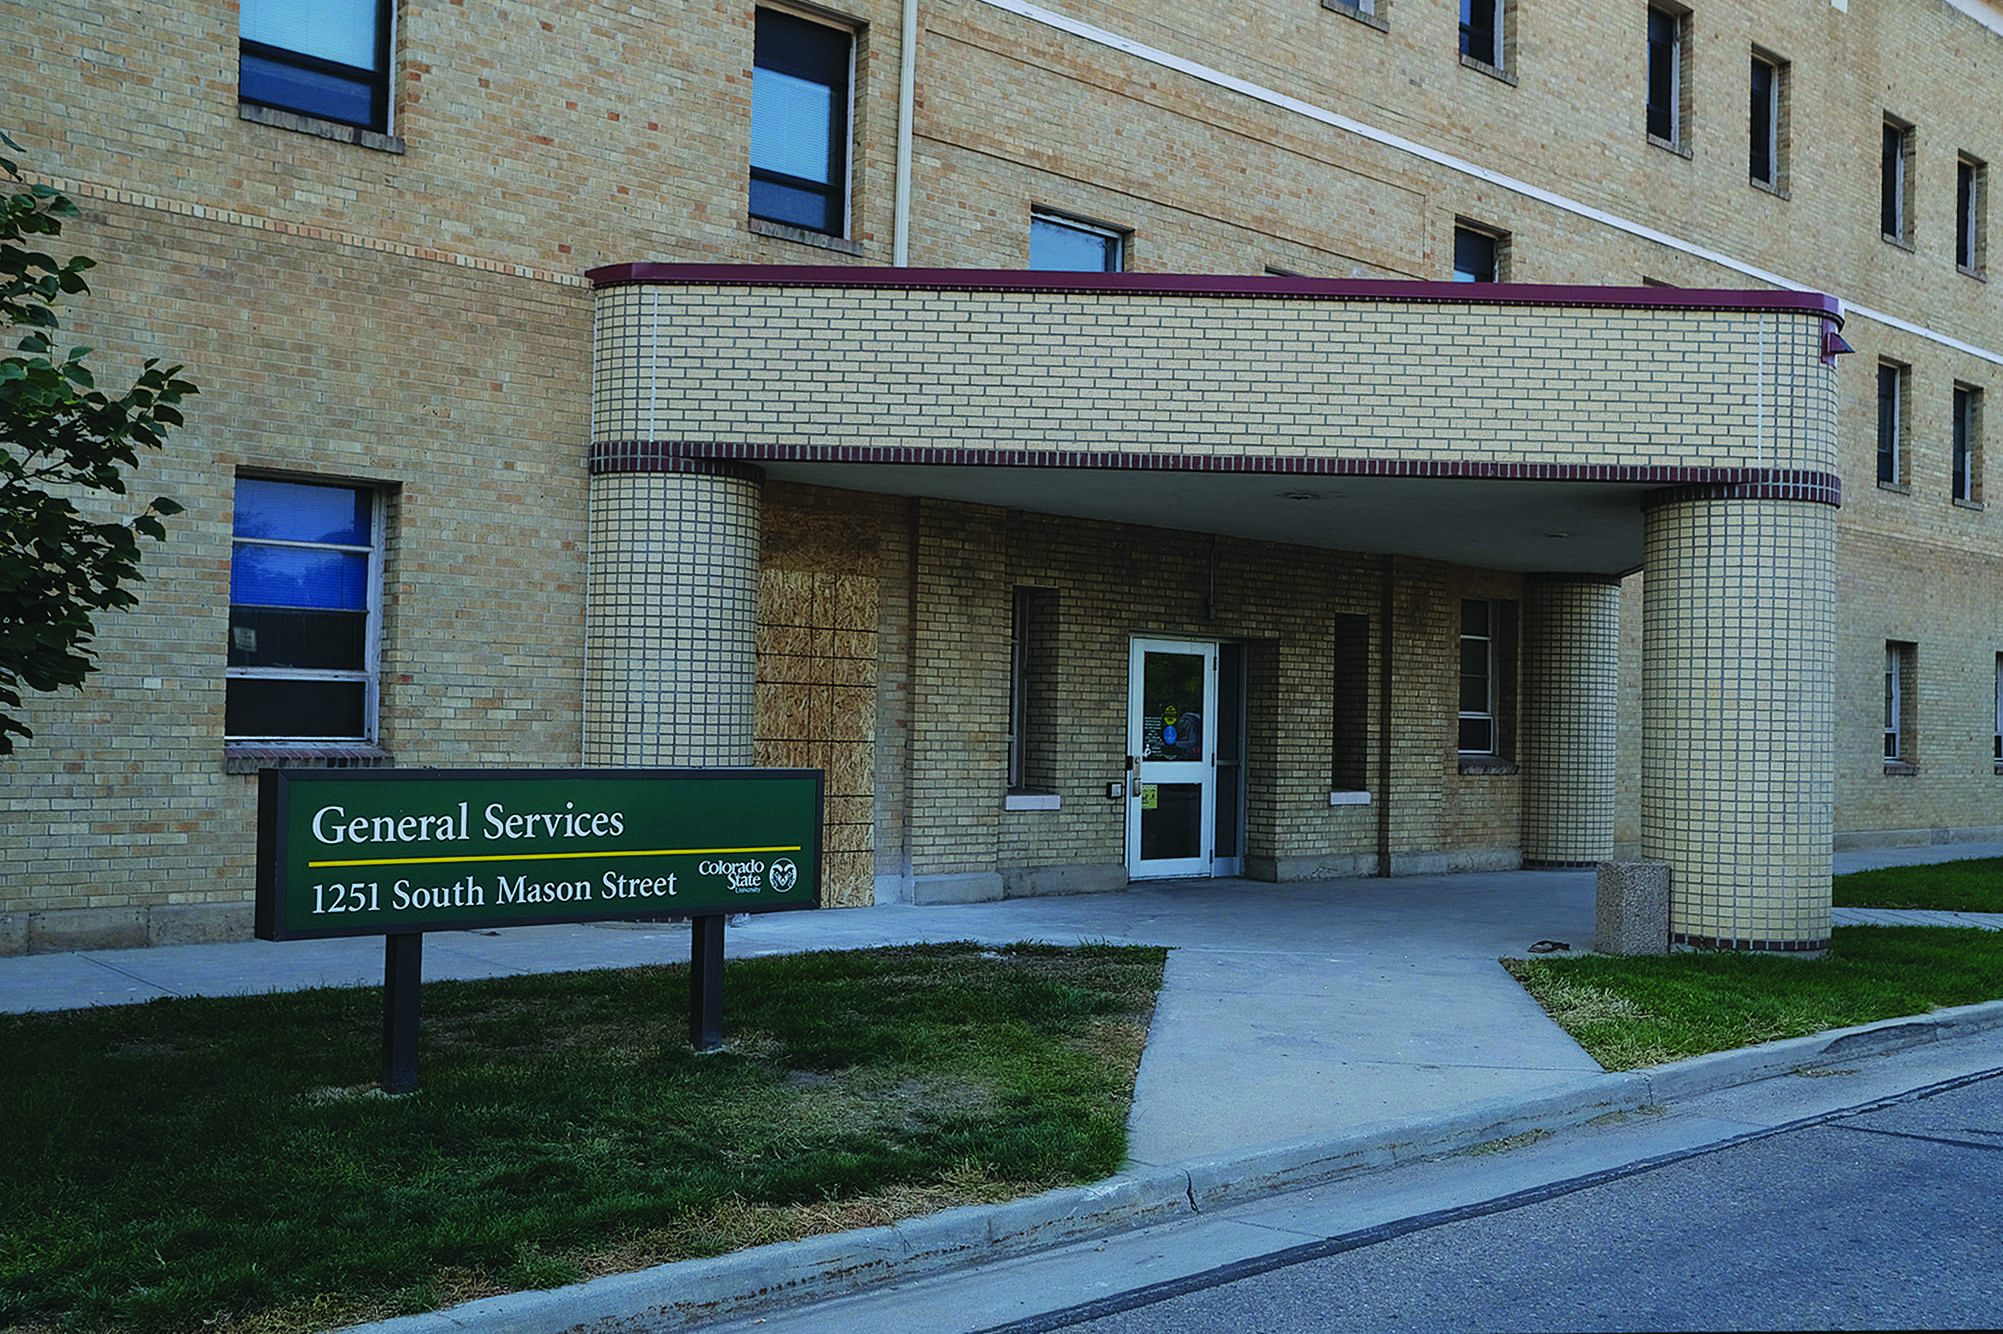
(1571, 709)
(1209, 376)
(671, 639)
(1737, 707)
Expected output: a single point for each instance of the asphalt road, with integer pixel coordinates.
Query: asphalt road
(1888, 1218)
(1862, 1196)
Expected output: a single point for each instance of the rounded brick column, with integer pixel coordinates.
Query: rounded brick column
(671, 617)
(1738, 698)
(1571, 710)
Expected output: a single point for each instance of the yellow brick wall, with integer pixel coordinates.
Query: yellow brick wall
(1217, 376)
(418, 320)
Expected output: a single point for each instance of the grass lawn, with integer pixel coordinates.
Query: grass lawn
(228, 1164)
(1975, 885)
(1643, 1010)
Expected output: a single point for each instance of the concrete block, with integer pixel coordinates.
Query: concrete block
(1631, 912)
(71, 929)
(1032, 881)
(971, 887)
(198, 923)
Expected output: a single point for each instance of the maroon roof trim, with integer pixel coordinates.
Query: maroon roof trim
(1749, 943)
(1219, 285)
(628, 456)
(1679, 483)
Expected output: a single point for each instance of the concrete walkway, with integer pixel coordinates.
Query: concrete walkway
(1292, 1018)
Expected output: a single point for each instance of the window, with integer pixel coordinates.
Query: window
(1967, 464)
(305, 567)
(1482, 32)
(1074, 245)
(1033, 740)
(1894, 200)
(1971, 189)
(799, 123)
(1367, 10)
(1766, 121)
(1899, 658)
(1349, 697)
(1891, 423)
(328, 60)
(1999, 709)
(1477, 714)
(1478, 254)
(1666, 76)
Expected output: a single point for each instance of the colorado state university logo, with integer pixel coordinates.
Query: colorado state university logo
(784, 874)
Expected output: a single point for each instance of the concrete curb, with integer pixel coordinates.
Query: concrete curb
(747, 1282)
(1724, 1069)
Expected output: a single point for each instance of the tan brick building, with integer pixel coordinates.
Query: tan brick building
(1058, 422)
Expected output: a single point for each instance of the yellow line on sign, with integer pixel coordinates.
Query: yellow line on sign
(552, 856)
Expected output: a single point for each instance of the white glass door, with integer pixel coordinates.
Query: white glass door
(1172, 758)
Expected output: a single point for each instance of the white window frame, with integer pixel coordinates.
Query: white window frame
(1971, 191)
(1895, 181)
(1894, 702)
(1901, 660)
(1498, 14)
(370, 674)
(1965, 459)
(1776, 109)
(1488, 715)
(1678, 56)
(1894, 423)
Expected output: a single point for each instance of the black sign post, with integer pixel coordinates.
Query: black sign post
(403, 980)
(706, 982)
(400, 852)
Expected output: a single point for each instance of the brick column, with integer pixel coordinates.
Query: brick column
(671, 617)
(1738, 669)
(1571, 707)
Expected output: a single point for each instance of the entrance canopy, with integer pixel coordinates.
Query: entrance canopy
(1505, 427)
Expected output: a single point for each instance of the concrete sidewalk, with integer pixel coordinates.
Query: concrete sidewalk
(1303, 1031)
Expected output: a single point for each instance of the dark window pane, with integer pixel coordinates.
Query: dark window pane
(304, 709)
(1964, 411)
(1662, 59)
(1891, 188)
(301, 512)
(1474, 256)
(1964, 214)
(1478, 32)
(1761, 168)
(329, 640)
(1477, 735)
(1888, 424)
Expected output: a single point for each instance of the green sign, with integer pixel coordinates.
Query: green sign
(391, 851)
